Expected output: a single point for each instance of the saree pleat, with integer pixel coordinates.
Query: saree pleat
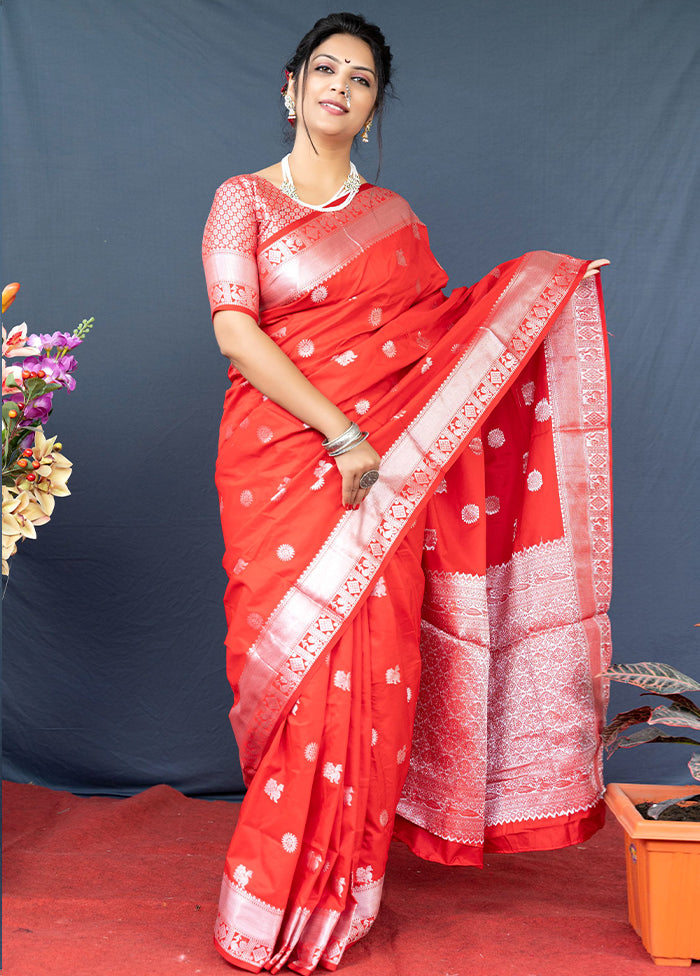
(327, 791)
(482, 556)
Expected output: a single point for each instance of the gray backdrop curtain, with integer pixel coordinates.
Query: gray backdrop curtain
(569, 127)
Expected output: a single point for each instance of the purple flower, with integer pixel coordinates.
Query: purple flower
(39, 408)
(57, 370)
(60, 339)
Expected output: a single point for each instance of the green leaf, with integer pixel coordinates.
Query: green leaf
(674, 715)
(649, 735)
(623, 721)
(679, 699)
(652, 676)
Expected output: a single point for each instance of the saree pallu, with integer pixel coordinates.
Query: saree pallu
(428, 664)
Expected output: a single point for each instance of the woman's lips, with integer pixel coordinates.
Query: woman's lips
(334, 108)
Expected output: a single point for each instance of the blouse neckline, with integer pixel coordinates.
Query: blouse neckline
(310, 206)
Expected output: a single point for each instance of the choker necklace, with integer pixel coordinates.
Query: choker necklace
(349, 188)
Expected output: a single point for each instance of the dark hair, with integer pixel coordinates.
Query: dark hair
(356, 26)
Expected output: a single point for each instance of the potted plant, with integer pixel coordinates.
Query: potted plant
(662, 854)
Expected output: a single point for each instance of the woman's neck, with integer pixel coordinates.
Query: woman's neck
(317, 176)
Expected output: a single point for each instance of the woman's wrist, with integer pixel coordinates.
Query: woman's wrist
(335, 426)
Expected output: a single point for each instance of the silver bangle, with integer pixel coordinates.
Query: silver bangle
(363, 435)
(348, 435)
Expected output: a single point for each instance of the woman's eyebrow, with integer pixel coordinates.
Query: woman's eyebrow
(356, 67)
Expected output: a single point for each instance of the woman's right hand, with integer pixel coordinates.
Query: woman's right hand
(352, 465)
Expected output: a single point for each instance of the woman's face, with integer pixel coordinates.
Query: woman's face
(341, 87)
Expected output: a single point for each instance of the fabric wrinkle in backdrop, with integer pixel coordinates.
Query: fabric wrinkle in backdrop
(567, 128)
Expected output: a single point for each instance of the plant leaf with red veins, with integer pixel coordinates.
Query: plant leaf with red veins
(623, 721)
(652, 676)
(674, 715)
(649, 735)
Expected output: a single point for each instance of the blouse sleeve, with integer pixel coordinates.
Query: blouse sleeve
(229, 249)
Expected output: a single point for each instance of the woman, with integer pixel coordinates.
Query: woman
(402, 476)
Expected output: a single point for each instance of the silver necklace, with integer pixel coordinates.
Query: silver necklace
(349, 188)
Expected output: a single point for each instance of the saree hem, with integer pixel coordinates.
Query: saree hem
(548, 834)
(233, 961)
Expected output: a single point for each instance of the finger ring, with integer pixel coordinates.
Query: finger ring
(369, 478)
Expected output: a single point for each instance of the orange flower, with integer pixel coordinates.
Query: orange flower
(9, 293)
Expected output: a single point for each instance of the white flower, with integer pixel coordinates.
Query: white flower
(362, 406)
(281, 488)
(285, 552)
(332, 772)
(496, 437)
(345, 358)
(289, 843)
(534, 480)
(265, 434)
(492, 504)
(393, 675)
(528, 391)
(389, 349)
(320, 472)
(363, 875)
(375, 317)
(401, 755)
(319, 294)
(242, 875)
(305, 348)
(246, 498)
(379, 587)
(311, 752)
(476, 445)
(274, 789)
(384, 818)
(255, 620)
(341, 679)
(470, 514)
(543, 410)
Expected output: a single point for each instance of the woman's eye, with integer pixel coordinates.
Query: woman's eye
(324, 67)
(361, 80)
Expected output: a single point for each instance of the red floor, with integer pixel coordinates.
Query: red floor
(101, 886)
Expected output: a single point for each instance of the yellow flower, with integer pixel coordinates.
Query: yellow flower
(51, 475)
(21, 512)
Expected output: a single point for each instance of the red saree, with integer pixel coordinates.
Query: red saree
(428, 664)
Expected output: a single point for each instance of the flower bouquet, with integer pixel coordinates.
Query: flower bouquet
(34, 471)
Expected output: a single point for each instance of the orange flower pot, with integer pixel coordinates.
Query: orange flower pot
(663, 873)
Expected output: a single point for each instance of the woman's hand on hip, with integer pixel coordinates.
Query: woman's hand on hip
(352, 465)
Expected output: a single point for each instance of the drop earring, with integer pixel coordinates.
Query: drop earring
(289, 102)
(365, 131)
(291, 108)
